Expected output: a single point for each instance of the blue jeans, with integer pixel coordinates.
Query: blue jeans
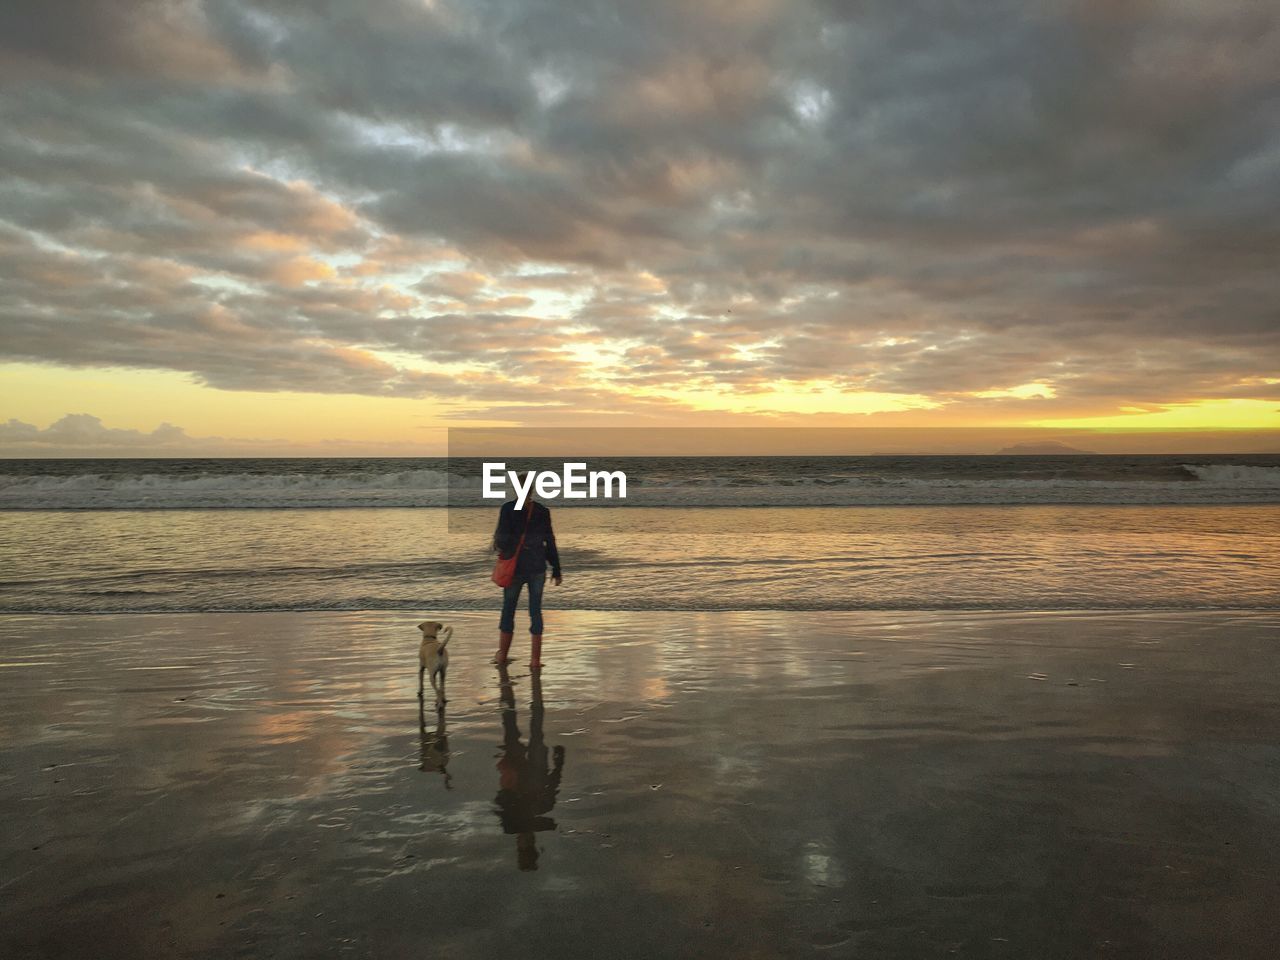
(511, 597)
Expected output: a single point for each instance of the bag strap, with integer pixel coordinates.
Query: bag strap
(528, 515)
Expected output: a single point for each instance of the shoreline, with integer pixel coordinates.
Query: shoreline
(1270, 499)
(638, 609)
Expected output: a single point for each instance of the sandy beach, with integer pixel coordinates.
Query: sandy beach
(714, 784)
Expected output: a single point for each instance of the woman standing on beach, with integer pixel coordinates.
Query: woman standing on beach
(533, 524)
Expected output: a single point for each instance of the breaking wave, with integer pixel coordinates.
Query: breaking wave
(222, 490)
(1239, 475)
(686, 482)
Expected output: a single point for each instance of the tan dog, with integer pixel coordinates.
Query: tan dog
(433, 658)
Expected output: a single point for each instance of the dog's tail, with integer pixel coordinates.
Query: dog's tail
(445, 634)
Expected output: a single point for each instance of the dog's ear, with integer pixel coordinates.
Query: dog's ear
(439, 626)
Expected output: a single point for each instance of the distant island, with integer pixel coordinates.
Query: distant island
(1043, 448)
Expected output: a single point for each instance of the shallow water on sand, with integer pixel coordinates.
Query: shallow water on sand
(887, 558)
(729, 784)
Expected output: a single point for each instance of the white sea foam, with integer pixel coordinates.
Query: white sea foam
(394, 486)
(1240, 476)
(221, 490)
(938, 492)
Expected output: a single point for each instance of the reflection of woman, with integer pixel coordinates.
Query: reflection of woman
(527, 783)
(538, 549)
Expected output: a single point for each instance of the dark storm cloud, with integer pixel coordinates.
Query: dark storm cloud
(892, 195)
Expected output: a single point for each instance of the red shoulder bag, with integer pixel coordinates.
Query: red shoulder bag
(504, 571)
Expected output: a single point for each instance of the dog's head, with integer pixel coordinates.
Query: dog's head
(430, 628)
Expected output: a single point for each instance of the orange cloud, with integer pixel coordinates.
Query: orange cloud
(296, 271)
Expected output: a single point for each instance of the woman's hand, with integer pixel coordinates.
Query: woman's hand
(557, 579)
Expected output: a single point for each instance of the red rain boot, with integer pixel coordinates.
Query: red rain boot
(535, 651)
(504, 645)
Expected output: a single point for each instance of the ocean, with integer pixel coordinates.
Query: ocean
(734, 533)
(200, 484)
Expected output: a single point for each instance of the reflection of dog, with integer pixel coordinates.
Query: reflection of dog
(433, 658)
(434, 746)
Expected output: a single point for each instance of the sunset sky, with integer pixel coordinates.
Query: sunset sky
(326, 227)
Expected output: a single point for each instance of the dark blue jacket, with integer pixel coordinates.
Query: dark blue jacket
(539, 543)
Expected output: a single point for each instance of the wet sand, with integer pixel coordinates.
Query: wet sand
(688, 784)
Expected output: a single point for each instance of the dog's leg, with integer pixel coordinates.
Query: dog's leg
(443, 672)
(438, 686)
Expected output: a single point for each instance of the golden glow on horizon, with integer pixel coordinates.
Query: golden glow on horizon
(142, 399)
(1192, 415)
(319, 423)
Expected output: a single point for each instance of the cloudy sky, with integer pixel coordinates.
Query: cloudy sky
(301, 223)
